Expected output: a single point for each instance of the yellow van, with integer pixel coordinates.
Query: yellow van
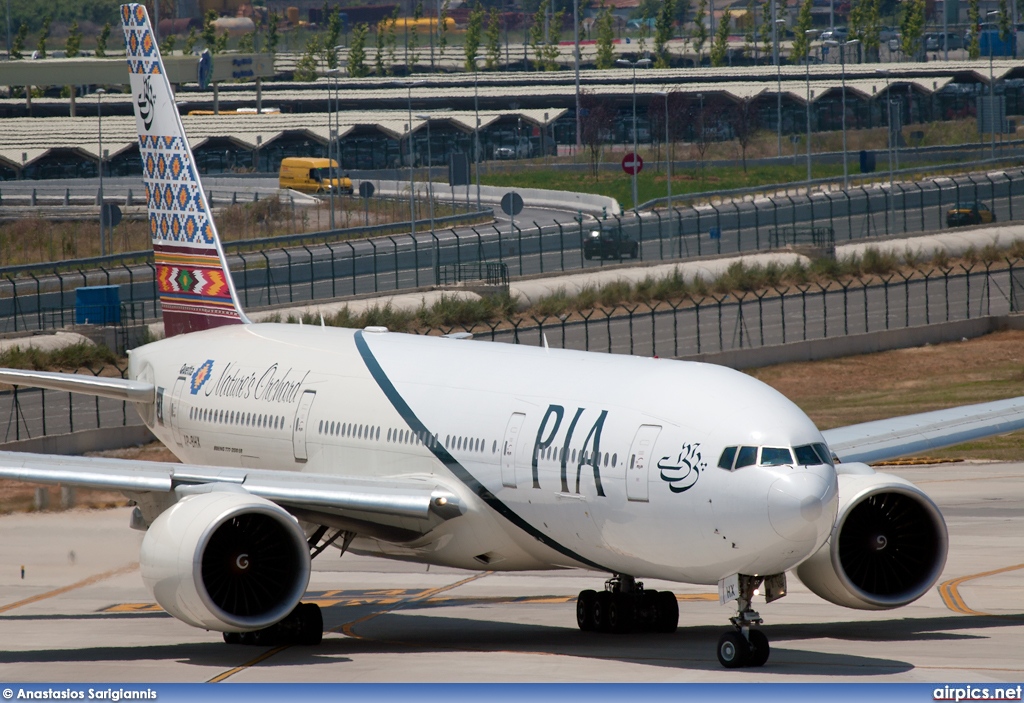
(310, 175)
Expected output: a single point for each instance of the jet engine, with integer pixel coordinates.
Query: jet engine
(226, 561)
(887, 548)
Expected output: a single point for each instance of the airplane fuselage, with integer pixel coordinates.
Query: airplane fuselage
(562, 458)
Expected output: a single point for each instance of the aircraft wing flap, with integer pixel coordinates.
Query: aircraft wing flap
(911, 434)
(87, 472)
(104, 386)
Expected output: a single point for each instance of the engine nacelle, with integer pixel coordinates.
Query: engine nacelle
(888, 546)
(226, 561)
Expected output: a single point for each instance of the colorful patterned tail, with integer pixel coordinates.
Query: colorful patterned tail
(195, 286)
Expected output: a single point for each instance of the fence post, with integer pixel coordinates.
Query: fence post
(640, 235)
(312, 274)
(352, 258)
(661, 238)
(540, 246)
(561, 245)
(394, 248)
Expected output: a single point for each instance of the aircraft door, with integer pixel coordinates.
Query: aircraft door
(638, 462)
(176, 409)
(508, 449)
(300, 423)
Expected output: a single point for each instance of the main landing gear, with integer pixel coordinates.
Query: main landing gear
(624, 606)
(746, 646)
(303, 626)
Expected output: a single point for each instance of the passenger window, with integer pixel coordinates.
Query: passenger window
(615, 458)
(747, 456)
(775, 456)
(494, 447)
(806, 456)
(725, 461)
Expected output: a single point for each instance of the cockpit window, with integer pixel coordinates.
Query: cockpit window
(807, 456)
(775, 456)
(826, 456)
(725, 461)
(747, 457)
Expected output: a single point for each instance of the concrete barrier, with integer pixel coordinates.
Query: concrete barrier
(492, 195)
(74, 443)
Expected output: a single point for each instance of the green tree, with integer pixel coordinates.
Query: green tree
(471, 44)
(170, 41)
(749, 45)
(1004, 21)
(537, 34)
(246, 43)
(272, 36)
(699, 35)
(209, 31)
(720, 47)
(333, 36)
(766, 28)
(306, 68)
(442, 29)
(74, 41)
(865, 25)
(221, 43)
(551, 51)
(18, 45)
(413, 34)
(190, 41)
(493, 40)
(605, 39)
(912, 28)
(663, 28)
(44, 34)
(101, 40)
(801, 38)
(381, 46)
(357, 51)
(974, 26)
(391, 40)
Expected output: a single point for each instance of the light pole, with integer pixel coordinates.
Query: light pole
(778, 72)
(888, 124)
(332, 112)
(842, 57)
(99, 130)
(412, 160)
(810, 34)
(992, 90)
(668, 157)
(476, 138)
(633, 65)
(430, 181)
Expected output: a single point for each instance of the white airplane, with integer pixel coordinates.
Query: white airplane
(474, 455)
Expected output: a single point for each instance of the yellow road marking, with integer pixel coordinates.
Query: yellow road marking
(950, 593)
(345, 627)
(78, 584)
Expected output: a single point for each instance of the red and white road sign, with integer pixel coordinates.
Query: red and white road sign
(632, 164)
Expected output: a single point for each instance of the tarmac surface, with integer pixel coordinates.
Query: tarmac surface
(82, 614)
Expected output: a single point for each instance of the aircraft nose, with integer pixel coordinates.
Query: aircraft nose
(802, 505)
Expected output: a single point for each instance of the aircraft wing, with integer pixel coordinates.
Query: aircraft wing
(116, 388)
(911, 434)
(387, 508)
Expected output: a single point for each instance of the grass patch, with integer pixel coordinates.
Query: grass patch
(76, 356)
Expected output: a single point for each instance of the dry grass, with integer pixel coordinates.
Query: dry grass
(846, 391)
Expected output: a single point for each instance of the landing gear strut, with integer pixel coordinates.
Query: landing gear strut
(746, 646)
(625, 606)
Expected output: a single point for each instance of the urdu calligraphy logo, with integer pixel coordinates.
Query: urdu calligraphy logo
(682, 473)
(146, 103)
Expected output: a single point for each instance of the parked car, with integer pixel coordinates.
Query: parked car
(933, 41)
(609, 244)
(974, 213)
(523, 149)
(839, 34)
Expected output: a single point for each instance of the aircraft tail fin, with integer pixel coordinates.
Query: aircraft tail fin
(193, 279)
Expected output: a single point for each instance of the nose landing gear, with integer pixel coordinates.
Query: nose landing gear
(625, 606)
(746, 646)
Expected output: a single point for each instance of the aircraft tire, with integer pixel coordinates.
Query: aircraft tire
(733, 650)
(668, 612)
(601, 607)
(759, 648)
(620, 613)
(311, 627)
(585, 603)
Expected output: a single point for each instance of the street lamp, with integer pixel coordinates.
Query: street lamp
(778, 72)
(810, 34)
(888, 124)
(99, 130)
(668, 156)
(430, 181)
(633, 65)
(992, 90)
(842, 56)
(412, 159)
(332, 131)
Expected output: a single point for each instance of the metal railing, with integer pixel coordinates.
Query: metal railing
(489, 273)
